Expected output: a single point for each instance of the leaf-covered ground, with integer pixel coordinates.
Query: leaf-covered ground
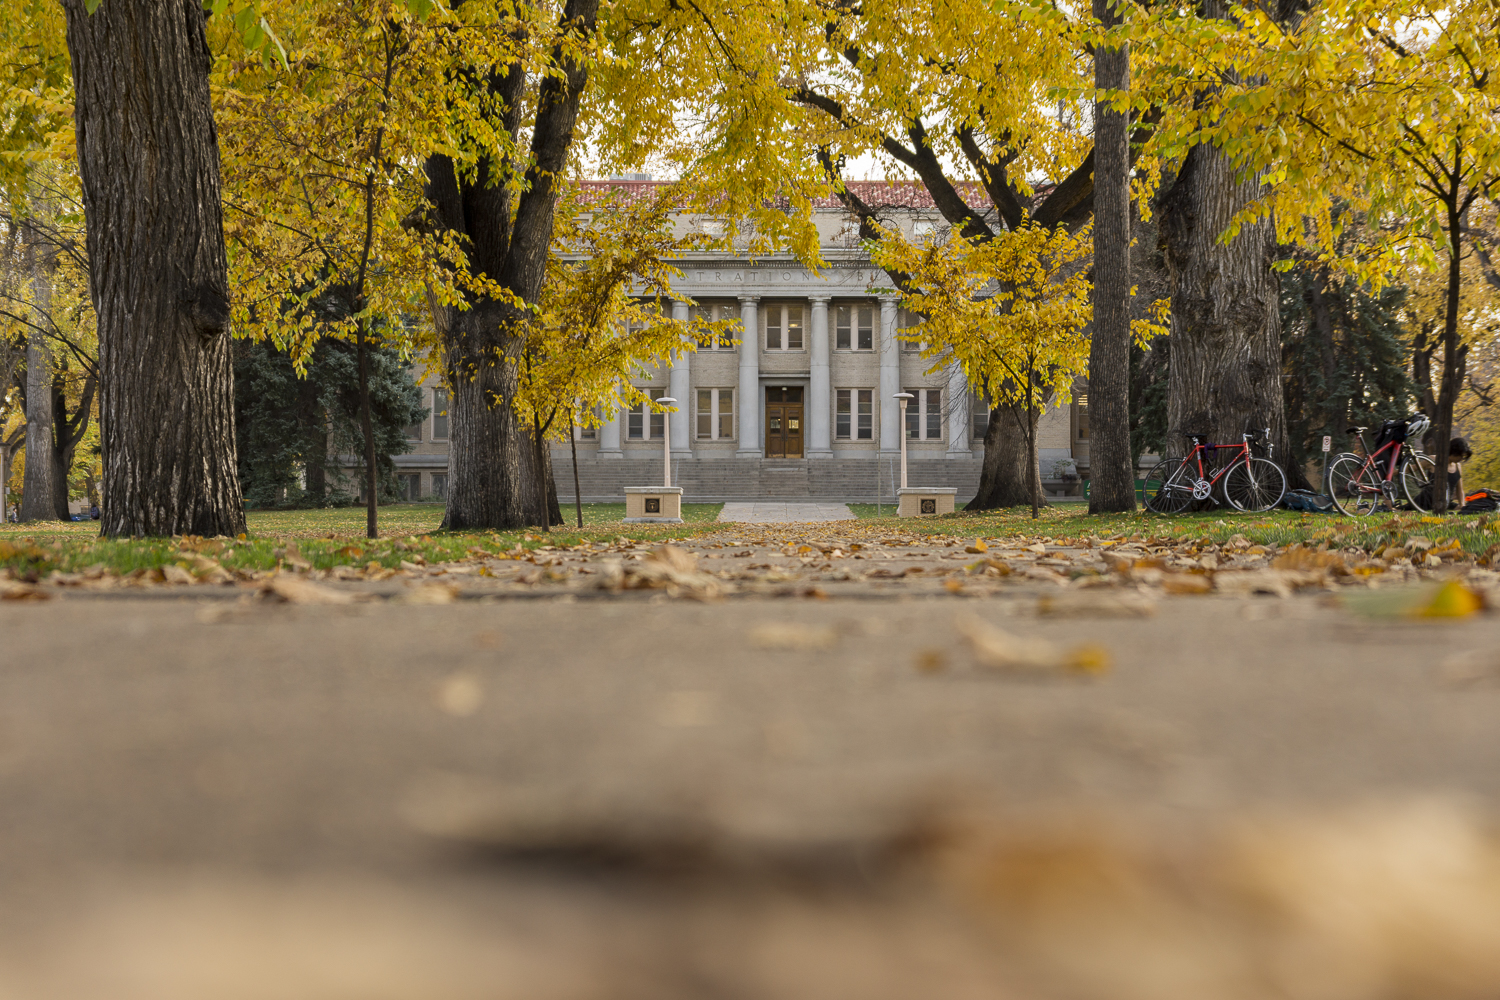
(972, 554)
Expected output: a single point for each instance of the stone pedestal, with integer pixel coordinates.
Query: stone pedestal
(661, 504)
(914, 501)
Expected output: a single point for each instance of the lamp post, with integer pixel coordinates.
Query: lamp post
(666, 442)
(904, 397)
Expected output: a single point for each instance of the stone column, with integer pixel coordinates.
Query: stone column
(819, 396)
(960, 442)
(890, 378)
(680, 388)
(750, 400)
(609, 436)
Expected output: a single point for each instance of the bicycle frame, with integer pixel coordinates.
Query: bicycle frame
(1197, 455)
(1391, 465)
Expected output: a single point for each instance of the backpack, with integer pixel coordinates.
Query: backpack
(1307, 501)
(1483, 502)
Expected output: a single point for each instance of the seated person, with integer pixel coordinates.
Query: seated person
(1458, 454)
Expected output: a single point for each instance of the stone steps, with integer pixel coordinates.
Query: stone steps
(715, 480)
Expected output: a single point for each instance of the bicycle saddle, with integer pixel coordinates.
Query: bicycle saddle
(1356, 430)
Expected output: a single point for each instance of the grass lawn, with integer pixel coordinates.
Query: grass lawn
(326, 538)
(1062, 522)
(323, 538)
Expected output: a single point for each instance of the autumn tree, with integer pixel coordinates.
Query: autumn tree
(1380, 108)
(149, 168)
(605, 316)
(325, 145)
(1011, 310)
(998, 136)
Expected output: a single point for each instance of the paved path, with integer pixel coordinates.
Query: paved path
(779, 512)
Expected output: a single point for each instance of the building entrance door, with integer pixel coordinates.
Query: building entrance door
(784, 422)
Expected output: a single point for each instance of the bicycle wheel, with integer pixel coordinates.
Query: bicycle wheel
(1416, 475)
(1169, 487)
(1353, 485)
(1258, 486)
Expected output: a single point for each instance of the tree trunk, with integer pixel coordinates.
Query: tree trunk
(314, 440)
(577, 490)
(1448, 380)
(484, 448)
(37, 495)
(491, 453)
(148, 156)
(1111, 472)
(1003, 479)
(1225, 371)
(367, 428)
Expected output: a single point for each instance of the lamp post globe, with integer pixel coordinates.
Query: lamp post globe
(904, 397)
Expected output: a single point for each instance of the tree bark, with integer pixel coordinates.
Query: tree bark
(1225, 371)
(37, 500)
(497, 481)
(148, 156)
(1003, 478)
(1448, 378)
(1111, 472)
(67, 432)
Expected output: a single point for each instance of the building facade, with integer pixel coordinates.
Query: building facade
(800, 403)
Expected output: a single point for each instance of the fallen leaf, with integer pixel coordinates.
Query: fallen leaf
(11, 590)
(295, 590)
(793, 636)
(998, 649)
(1085, 604)
(431, 593)
(177, 575)
(460, 695)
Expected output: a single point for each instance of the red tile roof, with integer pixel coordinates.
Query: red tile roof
(878, 194)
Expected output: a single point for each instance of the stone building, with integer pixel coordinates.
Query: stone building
(802, 405)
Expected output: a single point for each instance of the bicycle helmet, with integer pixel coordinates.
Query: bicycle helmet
(1417, 424)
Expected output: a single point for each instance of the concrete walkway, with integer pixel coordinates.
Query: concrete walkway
(778, 512)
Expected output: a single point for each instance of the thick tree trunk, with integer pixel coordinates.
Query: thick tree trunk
(1111, 472)
(485, 486)
(491, 454)
(67, 432)
(148, 155)
(1003, 479)
(1225, 369)
(37, 495)
(1448, 376)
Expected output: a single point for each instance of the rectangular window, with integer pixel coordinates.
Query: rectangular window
(440, 414)
(642, 422)
(843, 414)
(440, 486)
(854, 328)
(414, 432)
(716, 314)
(409, 486)
(980, 413)
(715, 414)
(783, 327)
(924, 415)
(904, 321)
(1083, 416)
(866, 413)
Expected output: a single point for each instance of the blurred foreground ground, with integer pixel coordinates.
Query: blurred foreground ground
(615, 794)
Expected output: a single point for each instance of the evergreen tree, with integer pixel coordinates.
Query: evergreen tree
(1344, 360)
(291, 431)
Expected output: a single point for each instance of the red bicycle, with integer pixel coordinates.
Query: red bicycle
(1362, 484)
(1249, 482)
